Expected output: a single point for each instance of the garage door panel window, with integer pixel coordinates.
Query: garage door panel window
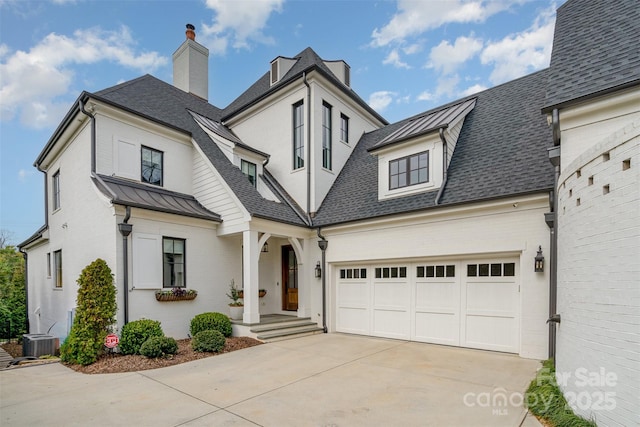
(507, 269)
(391, 272)
(353, 273)
(436, 271)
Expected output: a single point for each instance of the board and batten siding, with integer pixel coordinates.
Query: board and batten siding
(599, 279)
(211, 191)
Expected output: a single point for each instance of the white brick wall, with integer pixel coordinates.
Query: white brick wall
(598, 342)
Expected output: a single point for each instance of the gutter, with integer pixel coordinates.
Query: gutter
(322, 244)
(445, 154)
(306, 83)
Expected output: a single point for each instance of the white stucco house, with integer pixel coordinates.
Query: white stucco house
(427, 229)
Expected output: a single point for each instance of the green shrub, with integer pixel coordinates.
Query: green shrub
(159, 347)
(95, 313)
(206, 321)
(545, 400)
(209, 340)
(82, 346)
(135, 333)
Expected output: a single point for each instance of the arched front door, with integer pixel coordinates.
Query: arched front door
(289, 279)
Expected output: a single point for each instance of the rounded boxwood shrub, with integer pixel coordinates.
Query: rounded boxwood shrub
(135, 333)
(207, 321)
(209, 340)
(159, 347)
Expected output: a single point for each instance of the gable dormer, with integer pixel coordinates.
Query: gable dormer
(279, 68)
(414, 157)
(341, 70)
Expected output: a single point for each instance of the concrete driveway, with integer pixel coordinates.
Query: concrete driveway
(319, 380)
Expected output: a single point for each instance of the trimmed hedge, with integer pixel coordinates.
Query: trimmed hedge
(135, 333)
(207, 321)
(209, 340)
(159, 347)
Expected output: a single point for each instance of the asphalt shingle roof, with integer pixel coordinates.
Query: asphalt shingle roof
(160, 101)
(501, 152)
(596, 48)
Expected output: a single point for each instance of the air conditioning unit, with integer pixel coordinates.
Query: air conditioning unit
(37, 345)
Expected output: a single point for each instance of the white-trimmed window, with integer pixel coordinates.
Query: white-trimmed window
(151, 166)
(55, 190)
(344, 128)
(326, 135)
(249, 170)
(298, 135)
(173, 262)
(57, 263)
(409, 170)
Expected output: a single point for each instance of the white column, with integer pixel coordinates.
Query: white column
(250, 254)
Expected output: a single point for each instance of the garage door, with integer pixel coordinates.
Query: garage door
(466, 303)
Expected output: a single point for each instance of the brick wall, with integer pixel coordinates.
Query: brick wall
(598, 342)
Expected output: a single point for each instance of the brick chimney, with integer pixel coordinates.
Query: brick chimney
(191, 66)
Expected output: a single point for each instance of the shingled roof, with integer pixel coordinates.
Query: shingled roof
(501, 152)
(596, 49)
(161, 102)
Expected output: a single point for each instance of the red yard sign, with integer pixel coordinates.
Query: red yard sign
(111, 340)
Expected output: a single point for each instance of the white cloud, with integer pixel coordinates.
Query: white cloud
(415, 17)
(238, 22)
(445, 87)
(521, 53)
(473, 89)
(394, 59)
(446, 57)
(32, 81)
(426, 96)
(380, 100)
(24, 174)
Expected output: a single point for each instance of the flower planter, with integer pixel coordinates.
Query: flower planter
(160, 296)
(261, 293)
(236, 311)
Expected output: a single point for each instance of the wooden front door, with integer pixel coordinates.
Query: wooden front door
(289, 279)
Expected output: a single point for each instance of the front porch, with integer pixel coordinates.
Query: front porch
(274, 327)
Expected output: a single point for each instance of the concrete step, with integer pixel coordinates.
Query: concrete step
(282, 325)
(286, 333)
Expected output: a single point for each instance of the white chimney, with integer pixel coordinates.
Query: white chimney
(191, 66)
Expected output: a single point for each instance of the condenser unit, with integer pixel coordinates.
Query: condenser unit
(37, 345)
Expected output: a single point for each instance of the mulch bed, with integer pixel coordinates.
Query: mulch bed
(115, 362)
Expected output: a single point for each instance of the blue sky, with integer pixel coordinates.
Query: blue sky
(405, 56)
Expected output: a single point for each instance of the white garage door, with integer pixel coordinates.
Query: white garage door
(470, 304)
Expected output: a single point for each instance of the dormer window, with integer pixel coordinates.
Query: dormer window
(151, 166)
(409, 170)
(249, 170)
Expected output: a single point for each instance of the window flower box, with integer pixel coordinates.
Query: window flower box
(261, 293)
(176, 294)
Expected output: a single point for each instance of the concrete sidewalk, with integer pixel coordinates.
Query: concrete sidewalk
(319, 380)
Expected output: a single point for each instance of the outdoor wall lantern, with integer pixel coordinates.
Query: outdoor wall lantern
(318, 270)
(539, 262)
(265, 247)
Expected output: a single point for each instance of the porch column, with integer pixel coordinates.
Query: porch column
(250, 255)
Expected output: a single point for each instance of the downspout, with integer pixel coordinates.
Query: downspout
(93, 136)
(322, 244)
(552, 222)
(445, 154)
(306, 83)
(125, 229)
